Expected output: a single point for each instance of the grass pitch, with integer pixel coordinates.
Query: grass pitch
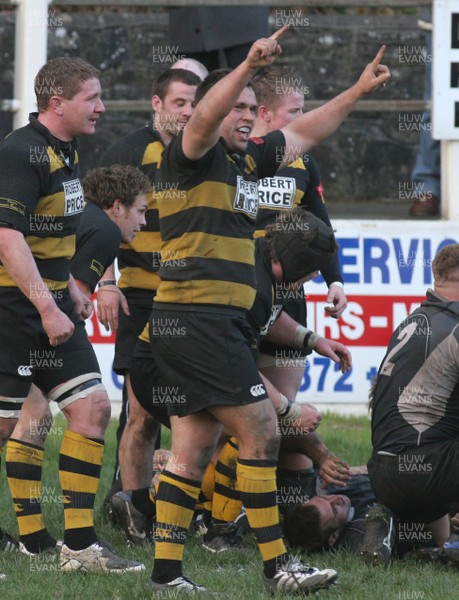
(233, 576)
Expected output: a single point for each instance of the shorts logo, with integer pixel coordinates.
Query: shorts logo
(246, 198)
(25, 370)
(257, 390)
(275, 310)
(74, 200)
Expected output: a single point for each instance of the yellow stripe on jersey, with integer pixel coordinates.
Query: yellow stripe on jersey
(54, 286)
(48, 248)
(213, 194)
(297, 164)
(153, 153)
(139, 278)
(206, 291)
(52, 205)
(55, 163)
(207, 245)
(147, 241)
(250, 165)
(144, 241)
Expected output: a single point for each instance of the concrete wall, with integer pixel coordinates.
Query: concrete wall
(363, 163)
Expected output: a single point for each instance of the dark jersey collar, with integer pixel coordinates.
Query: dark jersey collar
(239, 159)
(65, 150)
(434, 299)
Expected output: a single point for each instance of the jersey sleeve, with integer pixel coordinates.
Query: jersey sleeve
(314, 201)
(96, 249)
(20, 188)
(178, 169)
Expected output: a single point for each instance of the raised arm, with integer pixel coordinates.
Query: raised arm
(313, 127)
(203, 129)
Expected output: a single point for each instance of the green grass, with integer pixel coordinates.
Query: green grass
(234, 576)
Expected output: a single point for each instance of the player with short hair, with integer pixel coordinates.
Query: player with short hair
(206, 294)
(42, 309)
(415, 420)
(116, 200)
(280, 95)
(139, 261)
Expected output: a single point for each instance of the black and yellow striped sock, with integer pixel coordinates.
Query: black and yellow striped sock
(175, 504)
(206, 493)
(227, 504)
(256, 480)
(80, 462)
(144, 500)
(23, 468)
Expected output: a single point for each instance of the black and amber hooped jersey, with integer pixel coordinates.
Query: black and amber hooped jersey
(41, 196)
(139, 260)
(207, 211)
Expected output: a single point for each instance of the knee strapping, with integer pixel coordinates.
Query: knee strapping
(79, 387)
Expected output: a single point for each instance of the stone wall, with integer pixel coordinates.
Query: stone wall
(362, 163)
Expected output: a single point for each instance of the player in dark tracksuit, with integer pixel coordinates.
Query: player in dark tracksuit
(415, 408)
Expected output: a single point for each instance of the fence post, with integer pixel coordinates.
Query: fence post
(31, 45)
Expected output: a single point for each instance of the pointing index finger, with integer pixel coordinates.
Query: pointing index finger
(377, 59)
(279, 33)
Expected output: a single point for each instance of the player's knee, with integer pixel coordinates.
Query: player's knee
(272, 447)
(38, 429)
(203, 458)
(84, 398)
(262, 441)
(100, 408)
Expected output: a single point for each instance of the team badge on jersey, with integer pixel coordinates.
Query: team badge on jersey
(246, 199)
(276, 192)
(74, 199)
(320, 191)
